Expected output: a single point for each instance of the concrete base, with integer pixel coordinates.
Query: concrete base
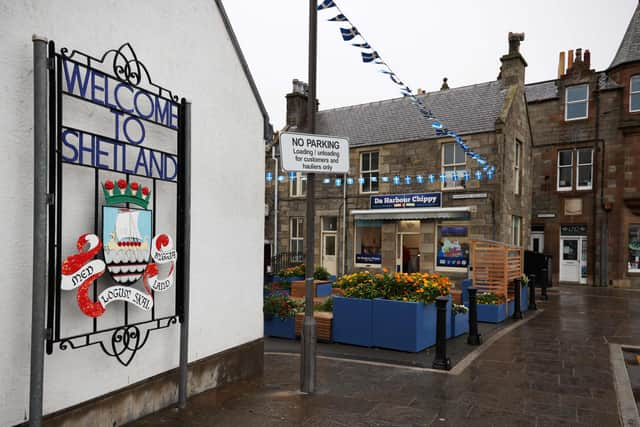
(155, 393)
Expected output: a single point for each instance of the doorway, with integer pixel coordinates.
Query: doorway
(573, 259)
(328, 243)
(408, 252)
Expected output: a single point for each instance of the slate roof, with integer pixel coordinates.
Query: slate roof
(464, 110)
(629, 49)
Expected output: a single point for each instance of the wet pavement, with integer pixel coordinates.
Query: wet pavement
(551, 371)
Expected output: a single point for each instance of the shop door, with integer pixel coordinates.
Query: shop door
(570, 270)
(537, 242)
(408, 252)
(329, 260)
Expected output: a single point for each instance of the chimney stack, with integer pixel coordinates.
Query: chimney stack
(513, 64)
(561, 65)
(297, 104)
(587, 59)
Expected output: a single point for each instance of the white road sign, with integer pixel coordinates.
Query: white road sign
(314, 153)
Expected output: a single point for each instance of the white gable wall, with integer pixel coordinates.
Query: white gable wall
(185, 48)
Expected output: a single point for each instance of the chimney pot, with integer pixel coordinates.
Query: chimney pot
(587, 58)
(444, 86)
(570, 62)
(561, 69)
(578, 55)
(514, 42)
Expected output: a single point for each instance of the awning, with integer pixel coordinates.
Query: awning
(412, 213)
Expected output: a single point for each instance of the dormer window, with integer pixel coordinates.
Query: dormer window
(634, 97)
(576, 103)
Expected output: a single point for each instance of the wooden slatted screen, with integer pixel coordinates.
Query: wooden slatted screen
(495, 266)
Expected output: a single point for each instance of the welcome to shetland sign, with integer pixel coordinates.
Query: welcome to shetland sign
(130, 109)
(419, 200)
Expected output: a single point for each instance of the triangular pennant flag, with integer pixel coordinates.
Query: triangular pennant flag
(339, 18)
(369, 56)
(326, 4)
(349, 33)
(362, 45)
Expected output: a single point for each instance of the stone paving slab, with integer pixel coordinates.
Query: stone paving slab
(552, 371)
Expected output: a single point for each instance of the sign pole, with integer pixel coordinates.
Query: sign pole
(308, 359)
(40, 154)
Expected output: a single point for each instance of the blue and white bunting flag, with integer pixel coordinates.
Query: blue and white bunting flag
(369, 56)
(326, 4)
(362, 45)
(338, 18)
(349, 33)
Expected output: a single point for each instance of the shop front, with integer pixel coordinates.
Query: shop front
(411, 233)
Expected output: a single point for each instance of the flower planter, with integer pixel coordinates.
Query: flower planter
(524, 298)
(492, 313)
(321, 288)
(406, 326)
(323, 324)
(269, 291)
(459, 324)
(276, 327)
(277, 279)
(352, 321)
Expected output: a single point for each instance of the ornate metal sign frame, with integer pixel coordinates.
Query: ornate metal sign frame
(123, 67)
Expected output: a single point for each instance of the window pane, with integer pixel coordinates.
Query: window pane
(330, 223)
(330, 245)
(584, 156)
(564, 177)
(635, 102)
(635, 84)
(577, 110)
(374, 162)
(459, 154)
(570, 250)
(577, 93)
(634, 249)
(584, 176)
(448, 154)
(564, 158)
(374, 185)
(365, 161)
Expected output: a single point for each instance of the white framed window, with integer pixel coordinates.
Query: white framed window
(576, 102)
(298, 186)
(517, 160)
(370, 171)
(584, 169)
(296, 238)
(565, 170)
(516, 230)
(454, 161)
(634, 94)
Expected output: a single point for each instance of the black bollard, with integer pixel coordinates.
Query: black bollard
(517, 312)
(543, 293)
(441, 361)
(474, 338)
(532, 292)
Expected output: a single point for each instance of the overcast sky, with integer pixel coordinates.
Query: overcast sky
(422, 40)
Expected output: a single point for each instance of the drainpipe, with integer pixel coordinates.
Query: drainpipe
(604, 232)
(274, 247)
(344, 224)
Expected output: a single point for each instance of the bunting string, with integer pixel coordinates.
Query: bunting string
(452, 178)
(370, 55)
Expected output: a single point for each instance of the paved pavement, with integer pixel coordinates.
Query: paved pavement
(552, 371)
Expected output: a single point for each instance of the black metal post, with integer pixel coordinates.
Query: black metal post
(532, 292)
(308, 338)
(441, 361)
(474, 338)
(185, 218)
(40, 155)
(517, 312)
(543, 291)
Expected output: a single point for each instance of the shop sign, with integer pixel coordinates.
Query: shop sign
(469, 196)
(368, 259)
(453, 251)
(400, 201)
(573, 230)
(314, 153)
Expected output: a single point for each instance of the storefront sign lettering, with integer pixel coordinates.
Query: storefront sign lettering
(421, 200)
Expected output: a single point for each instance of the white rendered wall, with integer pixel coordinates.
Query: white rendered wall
(185, 48)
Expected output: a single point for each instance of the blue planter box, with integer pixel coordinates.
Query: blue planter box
(269, 292)
(324, 289)
(276, 327)
(352, 321)
(277, 279)
(459, 324)
(492, 313)
(524, 299)
(406, 326)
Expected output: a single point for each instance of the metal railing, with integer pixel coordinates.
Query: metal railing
(285, 260)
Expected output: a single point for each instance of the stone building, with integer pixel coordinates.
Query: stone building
(586, 134)
(356, 227)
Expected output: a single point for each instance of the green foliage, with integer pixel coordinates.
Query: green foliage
(489, 298)
(325, 306)
(297, 270)
(525, 280)
(281, 306)
(321, 273)
(459, 309)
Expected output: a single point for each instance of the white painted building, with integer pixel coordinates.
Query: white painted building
(190, 48)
